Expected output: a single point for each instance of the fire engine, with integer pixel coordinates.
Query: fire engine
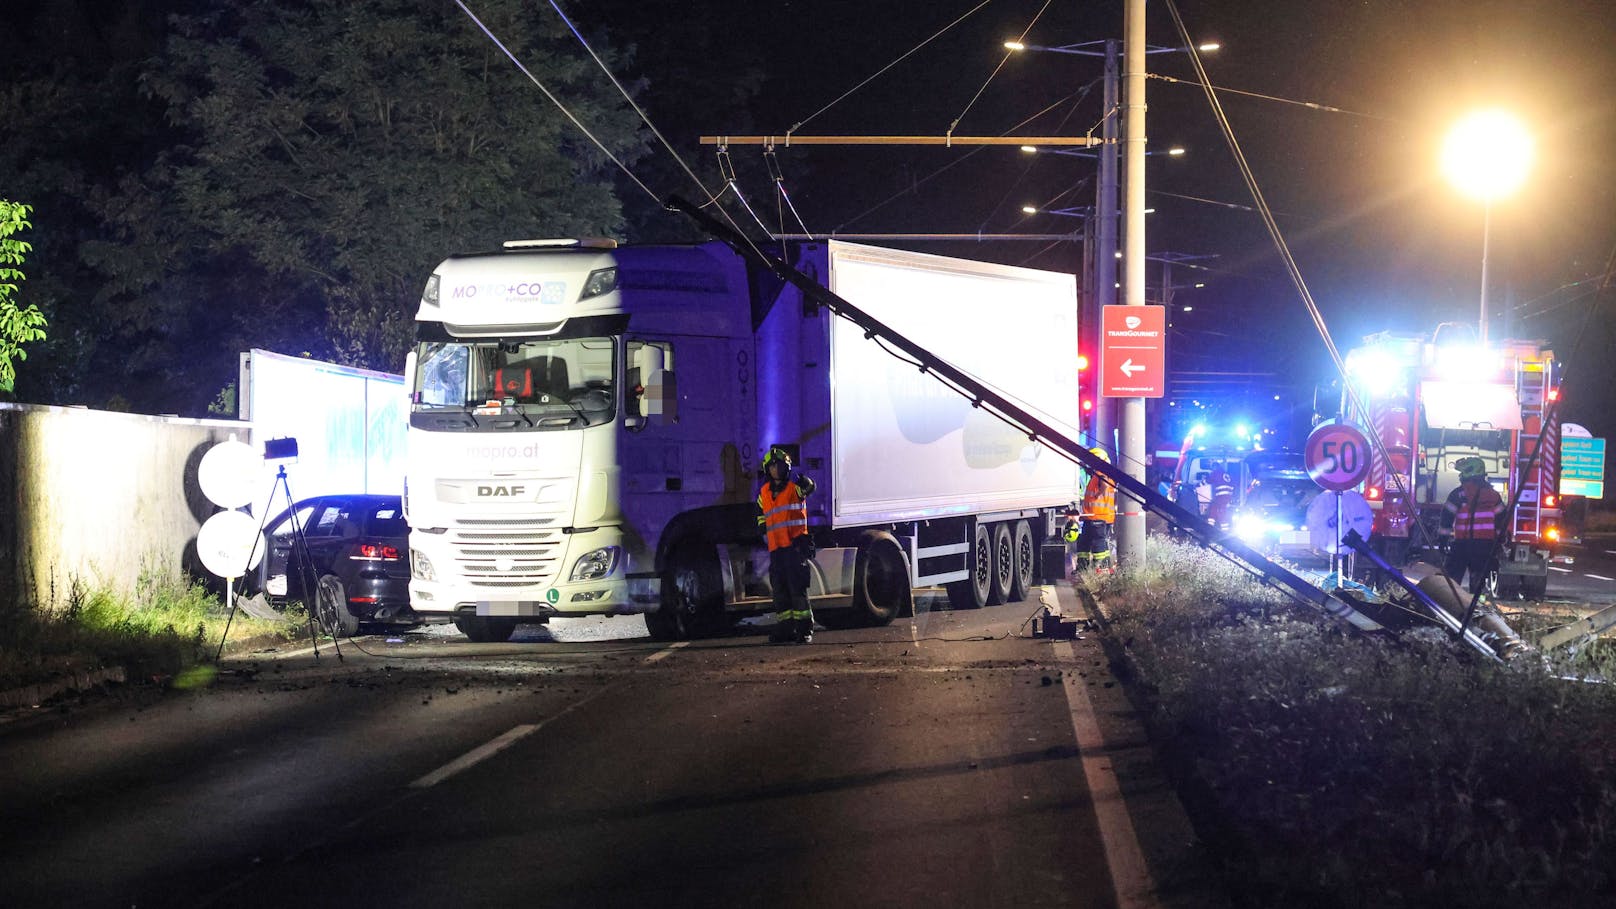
(1430, 404)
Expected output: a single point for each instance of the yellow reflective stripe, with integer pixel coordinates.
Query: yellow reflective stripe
(790, 506)
(787, 615)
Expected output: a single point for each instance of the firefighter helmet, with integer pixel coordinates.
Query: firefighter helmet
(776, 453)
(1471, 468)
(1099, 452)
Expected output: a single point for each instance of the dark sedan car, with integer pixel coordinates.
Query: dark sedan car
(358, 561)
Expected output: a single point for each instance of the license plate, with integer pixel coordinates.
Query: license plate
(276, 585)
(510, 608)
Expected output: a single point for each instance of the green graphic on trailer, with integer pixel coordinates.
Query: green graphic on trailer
(553, 595)
(1582, 467)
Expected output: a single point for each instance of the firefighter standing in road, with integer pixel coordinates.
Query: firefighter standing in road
(1221, 509)
(783, 517)
(1099, 513)
(1471, 516)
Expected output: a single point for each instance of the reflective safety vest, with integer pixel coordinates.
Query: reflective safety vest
(1100, 500)
(1475, 514)
(1221, 508)
(785, 514)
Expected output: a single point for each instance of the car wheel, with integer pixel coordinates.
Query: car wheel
(486, 631)
(331, 608)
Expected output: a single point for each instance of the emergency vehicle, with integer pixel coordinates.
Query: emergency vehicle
(1431, 404)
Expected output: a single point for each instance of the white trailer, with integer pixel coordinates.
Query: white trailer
(587, 424)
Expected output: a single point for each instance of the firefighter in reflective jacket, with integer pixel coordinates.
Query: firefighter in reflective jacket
(1099, 513)
(1220, 511)
(783, 518)
(1471, 516)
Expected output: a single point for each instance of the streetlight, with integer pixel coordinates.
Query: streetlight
(1486, 156)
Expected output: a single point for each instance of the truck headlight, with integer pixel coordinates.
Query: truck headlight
(596, 564)
(421, 567)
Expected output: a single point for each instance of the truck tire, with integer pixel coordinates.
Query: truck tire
(1004, 564)
(692, 603)
(974, 591)
(1026, 569)
(481, 630)
(331, 608)
(881, 590)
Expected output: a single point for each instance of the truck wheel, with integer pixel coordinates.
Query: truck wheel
(480, 630)
(1506, 586)
(1026, 561)
(1004, 564)
(331, 608)
(1534, 587)
(881, 589)
(692, 603)
(973, 592)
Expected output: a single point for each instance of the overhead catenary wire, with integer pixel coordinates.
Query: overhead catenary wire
(997, 69)
(1313, 105)
(877, 74)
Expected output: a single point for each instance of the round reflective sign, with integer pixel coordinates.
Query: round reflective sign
(228, 544)
(228, 473)
(1337, 456)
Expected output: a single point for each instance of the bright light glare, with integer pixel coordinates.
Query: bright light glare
(1189, 309)
(1375, 370)
(1014, 45)
(1030, 149)
(1209, 47)
(1176, 150)
(1251, 528)
(1240, 429)
(1466, 361)
(1487, 154)
(1029, 209)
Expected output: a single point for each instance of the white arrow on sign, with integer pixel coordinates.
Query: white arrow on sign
(1129, 367)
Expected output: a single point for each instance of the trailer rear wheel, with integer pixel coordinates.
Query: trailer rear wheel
(1004, 564)
(881, 590)
(1026, 561)
(974, 591)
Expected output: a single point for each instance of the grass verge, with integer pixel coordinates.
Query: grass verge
(165, 627)
(1326, 768)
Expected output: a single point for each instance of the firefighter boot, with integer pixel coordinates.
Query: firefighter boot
(805, 627)
(783, 632)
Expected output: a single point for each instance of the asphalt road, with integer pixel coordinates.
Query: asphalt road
(946, 760)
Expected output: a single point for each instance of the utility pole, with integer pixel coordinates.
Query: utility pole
(1105, 253)
(1131, 517)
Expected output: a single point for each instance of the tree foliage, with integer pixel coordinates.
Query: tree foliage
(18, 326)
(343, 150)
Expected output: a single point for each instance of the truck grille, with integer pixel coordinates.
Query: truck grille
(507, 553)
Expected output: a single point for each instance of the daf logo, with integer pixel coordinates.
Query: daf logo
(500, 491)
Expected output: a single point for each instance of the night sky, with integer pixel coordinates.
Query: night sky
(1383, 240)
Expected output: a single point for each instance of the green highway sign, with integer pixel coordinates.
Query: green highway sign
(1582, 467)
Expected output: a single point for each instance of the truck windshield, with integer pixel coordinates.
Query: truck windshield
(516, 384)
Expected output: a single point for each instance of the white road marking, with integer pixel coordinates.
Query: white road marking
(1610, 552)
(1130, 875)
(1561, 570)
(1600, 577)
(488, 749)
(663, 653)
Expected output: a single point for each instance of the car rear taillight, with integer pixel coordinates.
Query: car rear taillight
(1551, 534)
(1550, 501)
(1374, 493)
(376, 552)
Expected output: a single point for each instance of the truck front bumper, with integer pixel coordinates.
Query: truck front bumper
(439, 587)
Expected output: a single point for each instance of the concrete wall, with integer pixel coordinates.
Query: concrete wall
(98, 496)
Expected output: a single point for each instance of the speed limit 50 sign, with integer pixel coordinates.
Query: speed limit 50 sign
(1337, 456)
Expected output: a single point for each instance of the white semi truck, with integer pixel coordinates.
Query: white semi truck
(587, 424)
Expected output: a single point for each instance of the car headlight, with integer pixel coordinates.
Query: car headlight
(596, 564)
(421, 567)
(600, 281)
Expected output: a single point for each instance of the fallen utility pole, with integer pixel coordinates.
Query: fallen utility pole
(984, 397)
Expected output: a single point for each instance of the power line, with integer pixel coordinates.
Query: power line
(1313, 105)
(1002, 60)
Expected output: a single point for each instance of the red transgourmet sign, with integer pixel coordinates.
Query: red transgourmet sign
(1133, 352)
(1337, 456)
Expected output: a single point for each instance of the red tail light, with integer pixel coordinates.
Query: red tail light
(1374, 492)
(1550, 501)
(380, 552)
(1551, 533)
